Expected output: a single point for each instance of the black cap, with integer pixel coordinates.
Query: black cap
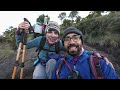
(72, 30)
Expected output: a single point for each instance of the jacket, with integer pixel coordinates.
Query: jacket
(35, 43)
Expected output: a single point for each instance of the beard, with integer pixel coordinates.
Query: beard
(76, 52)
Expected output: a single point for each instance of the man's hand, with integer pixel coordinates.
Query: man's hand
(107, 61)
(24, 26)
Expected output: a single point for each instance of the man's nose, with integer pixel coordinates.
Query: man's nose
(71, 41)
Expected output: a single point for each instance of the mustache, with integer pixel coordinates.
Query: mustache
(73, 45)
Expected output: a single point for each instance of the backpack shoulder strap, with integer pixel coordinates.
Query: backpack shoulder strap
(74, 74)
(43, 29)
(58, 69)
(60, 65)
(57, 47)
(95, 66)
(41, 45)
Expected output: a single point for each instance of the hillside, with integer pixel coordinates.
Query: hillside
(6, 67)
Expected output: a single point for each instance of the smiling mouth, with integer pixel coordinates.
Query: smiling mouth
(52, 39)
(72, 48)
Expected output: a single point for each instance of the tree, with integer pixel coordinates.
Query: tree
(94, 14)
(9, 36)
(72, 15)
(41, 18)
(62, 16)
(67, 23)
(78, 18)
(1, 38)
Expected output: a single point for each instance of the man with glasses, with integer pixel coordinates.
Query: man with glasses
(75, 64)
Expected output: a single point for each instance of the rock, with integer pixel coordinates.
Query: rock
(6, 67)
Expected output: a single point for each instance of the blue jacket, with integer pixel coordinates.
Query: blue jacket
(83, 67)
(35, 43)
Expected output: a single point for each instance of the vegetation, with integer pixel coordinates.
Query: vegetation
(5, 51)
(41, 18)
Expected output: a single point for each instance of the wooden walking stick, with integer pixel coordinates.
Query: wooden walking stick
(23, 54)
(22, 44)
(16, 62)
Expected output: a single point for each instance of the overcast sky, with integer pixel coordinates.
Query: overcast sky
(13, 18)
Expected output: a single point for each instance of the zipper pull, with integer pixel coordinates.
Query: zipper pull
(74, 67)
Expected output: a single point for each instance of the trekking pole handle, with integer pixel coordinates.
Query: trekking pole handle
(31, 28)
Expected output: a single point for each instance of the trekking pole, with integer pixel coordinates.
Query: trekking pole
(21, 44)
(23, 54)
(17, 58)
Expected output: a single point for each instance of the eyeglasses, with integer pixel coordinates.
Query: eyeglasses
(75, 38)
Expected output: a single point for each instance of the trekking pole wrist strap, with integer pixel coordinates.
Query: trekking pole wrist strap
(18, 32)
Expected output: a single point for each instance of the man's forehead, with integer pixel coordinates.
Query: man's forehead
(71, 34)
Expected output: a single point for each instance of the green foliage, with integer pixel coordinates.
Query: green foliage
(67, 23)
(94, 14)
(100, 30)
(72, 15)
(78, 19)
(1, 38)
(41, 18)
(5, 51)
(9, 37)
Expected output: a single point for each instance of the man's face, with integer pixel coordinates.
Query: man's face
(52, 36)
(73, 44)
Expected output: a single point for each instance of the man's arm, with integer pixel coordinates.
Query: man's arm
(108, 71)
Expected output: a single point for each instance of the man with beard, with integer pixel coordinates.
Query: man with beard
(75, 64)
(43, 67)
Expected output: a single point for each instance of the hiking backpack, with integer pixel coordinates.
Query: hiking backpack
(39, 29)
(94, 65)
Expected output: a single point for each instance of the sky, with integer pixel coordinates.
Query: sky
(14, 18)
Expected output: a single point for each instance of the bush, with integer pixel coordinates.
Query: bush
(5, 51)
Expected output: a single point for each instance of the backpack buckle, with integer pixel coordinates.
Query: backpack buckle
(43, 63)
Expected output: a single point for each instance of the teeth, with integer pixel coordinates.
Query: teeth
(52, 39)
(72, 47)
